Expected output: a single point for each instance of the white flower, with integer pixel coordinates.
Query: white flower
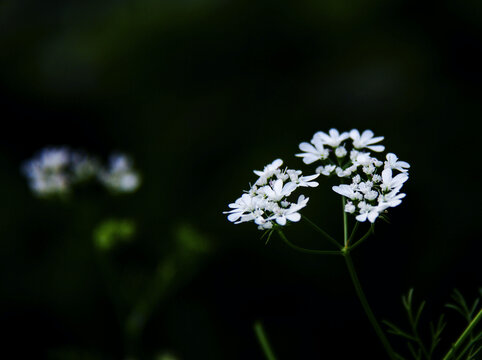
(54, 158)
(391, 199)
(376, 178)
(347, 191)
(366, 140)
(120, 176)
(390, 183)
(365, 187)
(325, 170)
(313, 153)
(349, 207)
(333, 139)
(369, 169)
(239, 207)
(47, 172)
(373, 188)
(393, 163)
(269, 204)
(268, 171)
(278, 191)
(377, 162)
(363, 159)
(291, 213)
(306, 181)
(54, 171)
(371, 195)
(340, 172)
(293, 175)
(340, 151)
(367, 212)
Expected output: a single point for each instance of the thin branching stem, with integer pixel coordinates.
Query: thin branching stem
(345, 224)
(322, 232)
(350, 238)
(304, 250)
(364, 237)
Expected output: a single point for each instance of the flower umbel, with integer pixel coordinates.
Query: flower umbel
(54, 172)
(374, 187)
(266, 203)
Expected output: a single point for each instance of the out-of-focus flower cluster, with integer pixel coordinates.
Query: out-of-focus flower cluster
(54, 171)
(369, 183)
(266, 202)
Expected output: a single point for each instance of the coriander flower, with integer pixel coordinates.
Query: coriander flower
(268, 171)
(120, 176)
(393, 163)
(389, 182)
(54, 171)
(366, 140)
(313, 153)
(333, 139)
(374, 185)
(267, 202)
(47, 172)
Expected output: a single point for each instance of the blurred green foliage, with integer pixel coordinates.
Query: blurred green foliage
(111, 232)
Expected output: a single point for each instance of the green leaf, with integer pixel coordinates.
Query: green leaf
(419, 313)
(407, 300)
(395, 330)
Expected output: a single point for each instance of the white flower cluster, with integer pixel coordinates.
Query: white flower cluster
(120, 176)
(53, 171)
(373, 187)
(267, 200)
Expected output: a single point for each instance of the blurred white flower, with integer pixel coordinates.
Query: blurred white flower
(120, 176)
(54, 171)
(47, 172)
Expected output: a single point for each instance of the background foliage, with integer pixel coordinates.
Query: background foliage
(200, 93)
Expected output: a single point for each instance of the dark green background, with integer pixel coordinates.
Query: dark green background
(200, 93)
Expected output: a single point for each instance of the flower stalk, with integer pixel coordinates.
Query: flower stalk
(263, 341)
(304, 250)
(366, 306)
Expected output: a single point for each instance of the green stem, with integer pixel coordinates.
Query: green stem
(322, 232)
(366, 307)
(307, 251)
(263, 341)
(353, 232)
(364, 237)
(464, 335)
(345, 224)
